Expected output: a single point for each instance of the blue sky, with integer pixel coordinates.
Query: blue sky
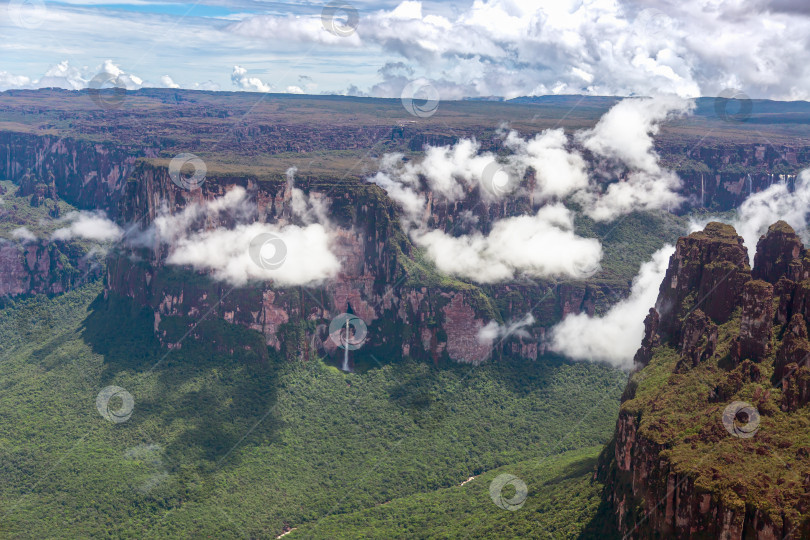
(478, 48)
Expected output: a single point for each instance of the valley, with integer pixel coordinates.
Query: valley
(243, 424)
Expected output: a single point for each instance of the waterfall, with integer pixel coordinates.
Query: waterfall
(345, 366)
(702, 190)
(749, 185)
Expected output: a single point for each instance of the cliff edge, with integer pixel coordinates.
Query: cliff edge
(713, 436)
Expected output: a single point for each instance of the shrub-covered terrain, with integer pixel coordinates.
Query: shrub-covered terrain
(561, 501)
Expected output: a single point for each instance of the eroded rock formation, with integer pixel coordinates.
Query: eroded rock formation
(677, 465)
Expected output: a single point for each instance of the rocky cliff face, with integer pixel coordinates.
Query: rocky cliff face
(87, 174)
(407, 311)
(712, 437)
(42, 267)
(437, 321)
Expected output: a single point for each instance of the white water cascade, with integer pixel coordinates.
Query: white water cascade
(345, 366)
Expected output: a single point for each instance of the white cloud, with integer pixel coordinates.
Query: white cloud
(24, 235)
(479, 48)
(411, 202)
(89, 226)
(167, 82)
(624, 136)
(66, 76)
(625, 133)
(761, 210)
(195, 237)
(241, 80)
(290, 28)
(543, 244)
(559, 170)
(540, 245)
(210, 86)
(444, 166)
(226, 253)
(11, 81)
(615, 337)
(600, 47)
(638, 191)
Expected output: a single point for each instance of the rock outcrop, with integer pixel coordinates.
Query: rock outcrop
(698, 340)
(706, 271)
(776, 250)
(754, 341)
(44, 268)
(650, 341)
(689, 461)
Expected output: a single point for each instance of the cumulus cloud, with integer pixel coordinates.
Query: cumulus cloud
(560, 171)
(226, 254)
(167, 82)
(209, 86)
(448, 170)
(291, 29)
(411, 201)
(540, 245)
(624, 137)
(128, 80)
(507, 48)
(626, 131)
(170, 228)
(614, 337)
(89, 226)
(241, 80)
(481, 48)
(24, 235)
(69, 77)
(63, 75)
(196, 237)
(10, 81)
(452, 171)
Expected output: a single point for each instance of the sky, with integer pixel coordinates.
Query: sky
(504, 48)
